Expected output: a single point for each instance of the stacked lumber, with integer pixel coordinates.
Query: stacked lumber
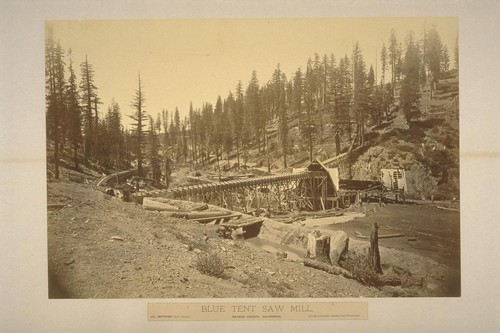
(164, 204)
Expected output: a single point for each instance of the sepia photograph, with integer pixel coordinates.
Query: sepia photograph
(253, 158)
(252, 165)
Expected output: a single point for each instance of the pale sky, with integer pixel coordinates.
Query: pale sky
(183, 60)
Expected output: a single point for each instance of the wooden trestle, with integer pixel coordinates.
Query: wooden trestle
(278, 192)
(315, 188)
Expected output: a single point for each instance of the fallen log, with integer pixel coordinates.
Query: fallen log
(191, 215)
(164, 204)
(328, 268)
(244, 224)
(450, 209)
(218, 219)
(391, 236)
(360, 235)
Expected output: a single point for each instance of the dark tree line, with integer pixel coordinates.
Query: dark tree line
(344, 92)
(72, 114)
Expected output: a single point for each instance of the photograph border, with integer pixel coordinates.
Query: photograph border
(25, 303)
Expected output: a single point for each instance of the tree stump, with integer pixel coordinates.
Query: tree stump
(318, 247)
(374, 254)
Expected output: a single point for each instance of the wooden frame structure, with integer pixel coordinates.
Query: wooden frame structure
(314, 188)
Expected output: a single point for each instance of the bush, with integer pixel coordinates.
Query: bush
(210, 264)
(359, 265)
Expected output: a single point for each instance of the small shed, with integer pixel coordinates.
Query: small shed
(320, 190)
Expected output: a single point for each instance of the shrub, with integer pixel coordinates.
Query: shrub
(359, 265)
(210, 264)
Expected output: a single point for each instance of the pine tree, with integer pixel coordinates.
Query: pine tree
(140, 118)
(383, 62)
(371, 77)
(185, 144)
(360, 94)
(445, 66)
(298, 90)
(228, 128)
(308, 126)
(173, 136)
(267, 103)
(383, 65)
(193, 119)
(154, 158)
(114, 136)
(102, 151)
(332, 83)
(158, 126)
(166, 146)
(99, 137)
(278, 82)
(238, 119)
(177, 134)
(55, 95)
(410, 89)
(399, 63)
(393, 56)
(433, 52)
(218, 128)
(73, 112)
(207, 131)
(88, 100)
(342, 102)
(253, 110)
(61, 98)
(164, 117)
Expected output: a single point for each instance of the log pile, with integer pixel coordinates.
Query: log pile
(171, 205)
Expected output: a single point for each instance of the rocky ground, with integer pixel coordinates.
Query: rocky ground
(101, 247)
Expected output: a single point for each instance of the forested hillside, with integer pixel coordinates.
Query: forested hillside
(402, 113)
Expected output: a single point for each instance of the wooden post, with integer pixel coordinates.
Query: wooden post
(257, 199)
(374, 253)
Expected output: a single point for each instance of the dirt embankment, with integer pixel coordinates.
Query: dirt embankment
(100, 247)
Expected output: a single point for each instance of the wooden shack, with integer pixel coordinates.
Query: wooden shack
(320, 190)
